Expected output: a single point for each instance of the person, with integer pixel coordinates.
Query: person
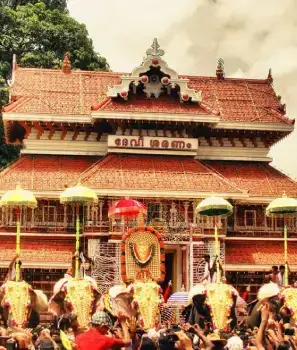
(45, 341)
(207, 270)
(281, 275)
(273, 274)
(213, 271)
(11, 274)
(97, 337)
(246, 293)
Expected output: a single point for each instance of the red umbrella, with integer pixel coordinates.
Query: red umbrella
(127, 207)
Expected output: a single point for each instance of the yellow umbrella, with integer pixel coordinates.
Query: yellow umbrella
(283, 206)
(18, 198)
(215, 206)
(78, 195)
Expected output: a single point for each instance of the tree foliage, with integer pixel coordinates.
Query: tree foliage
(40, 33)
(60, 5)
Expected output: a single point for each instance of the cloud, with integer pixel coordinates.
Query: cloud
(251, 35)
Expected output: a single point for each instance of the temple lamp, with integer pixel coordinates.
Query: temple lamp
(78, 195)
(215, 206)
(18, 199)
(282, 207)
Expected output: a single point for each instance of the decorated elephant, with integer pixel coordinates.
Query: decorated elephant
(142, 267)
(22, 304)
(139, 301)
(79, 295)
(212, 304)
(281, 302)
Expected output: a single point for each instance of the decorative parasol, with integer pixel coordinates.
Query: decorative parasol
(283, 206)
(215, 206)
(127, 207)
(17, 199)
(78, 195)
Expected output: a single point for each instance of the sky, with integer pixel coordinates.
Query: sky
(250, 35)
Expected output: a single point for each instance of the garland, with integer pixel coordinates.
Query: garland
(136, 258)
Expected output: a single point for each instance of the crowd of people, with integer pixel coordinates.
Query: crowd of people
(276, 331)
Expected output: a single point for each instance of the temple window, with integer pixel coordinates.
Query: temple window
(250, 217)
(279, 223)
(49, 215)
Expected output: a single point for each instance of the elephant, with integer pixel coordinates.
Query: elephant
(139, 301)
(78, 295)
(212, 305)
(282, 303)
(21, 304)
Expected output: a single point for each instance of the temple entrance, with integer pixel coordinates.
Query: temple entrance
(173, 266)
(170, 258)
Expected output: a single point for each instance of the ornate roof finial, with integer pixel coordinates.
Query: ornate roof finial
(66, 66)
(154, 50)
(269, 76)
(220, 69)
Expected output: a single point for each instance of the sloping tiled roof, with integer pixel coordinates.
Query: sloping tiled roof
(38, 251)
(166, 173)
(259, 179)
(44, 172)
(147, 172)
(260, 253)
(160, 105)
(46, 91)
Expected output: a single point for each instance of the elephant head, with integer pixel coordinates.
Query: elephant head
(79, 295)
(21, 303)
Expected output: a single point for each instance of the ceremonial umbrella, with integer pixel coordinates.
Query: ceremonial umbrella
(78, 195)
(17, 199)
(127, 207)
(283, 206)
(215, 206)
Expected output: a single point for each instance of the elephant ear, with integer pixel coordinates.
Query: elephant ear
(40, 301)
(56, 304)
(122, 303)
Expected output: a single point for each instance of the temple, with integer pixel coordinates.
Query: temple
(167, 139)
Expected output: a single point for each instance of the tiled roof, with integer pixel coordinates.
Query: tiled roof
(166, 173)
(259, 179)
(44, 172)
(45, 91)
(260, 253)
(37, 251)
(160, 105)
(48, 91)
(147, 172)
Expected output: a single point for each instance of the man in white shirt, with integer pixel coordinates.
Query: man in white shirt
(280, 278)
(207, 270)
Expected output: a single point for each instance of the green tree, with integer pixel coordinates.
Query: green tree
(60, 5)
(39, 34)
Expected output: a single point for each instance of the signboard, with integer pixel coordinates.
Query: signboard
(170, 145)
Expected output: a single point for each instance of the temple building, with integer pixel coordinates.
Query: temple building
(167, 139)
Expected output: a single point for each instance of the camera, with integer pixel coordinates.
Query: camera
(289, 331)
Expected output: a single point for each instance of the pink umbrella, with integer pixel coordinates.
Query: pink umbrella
(127, 207)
